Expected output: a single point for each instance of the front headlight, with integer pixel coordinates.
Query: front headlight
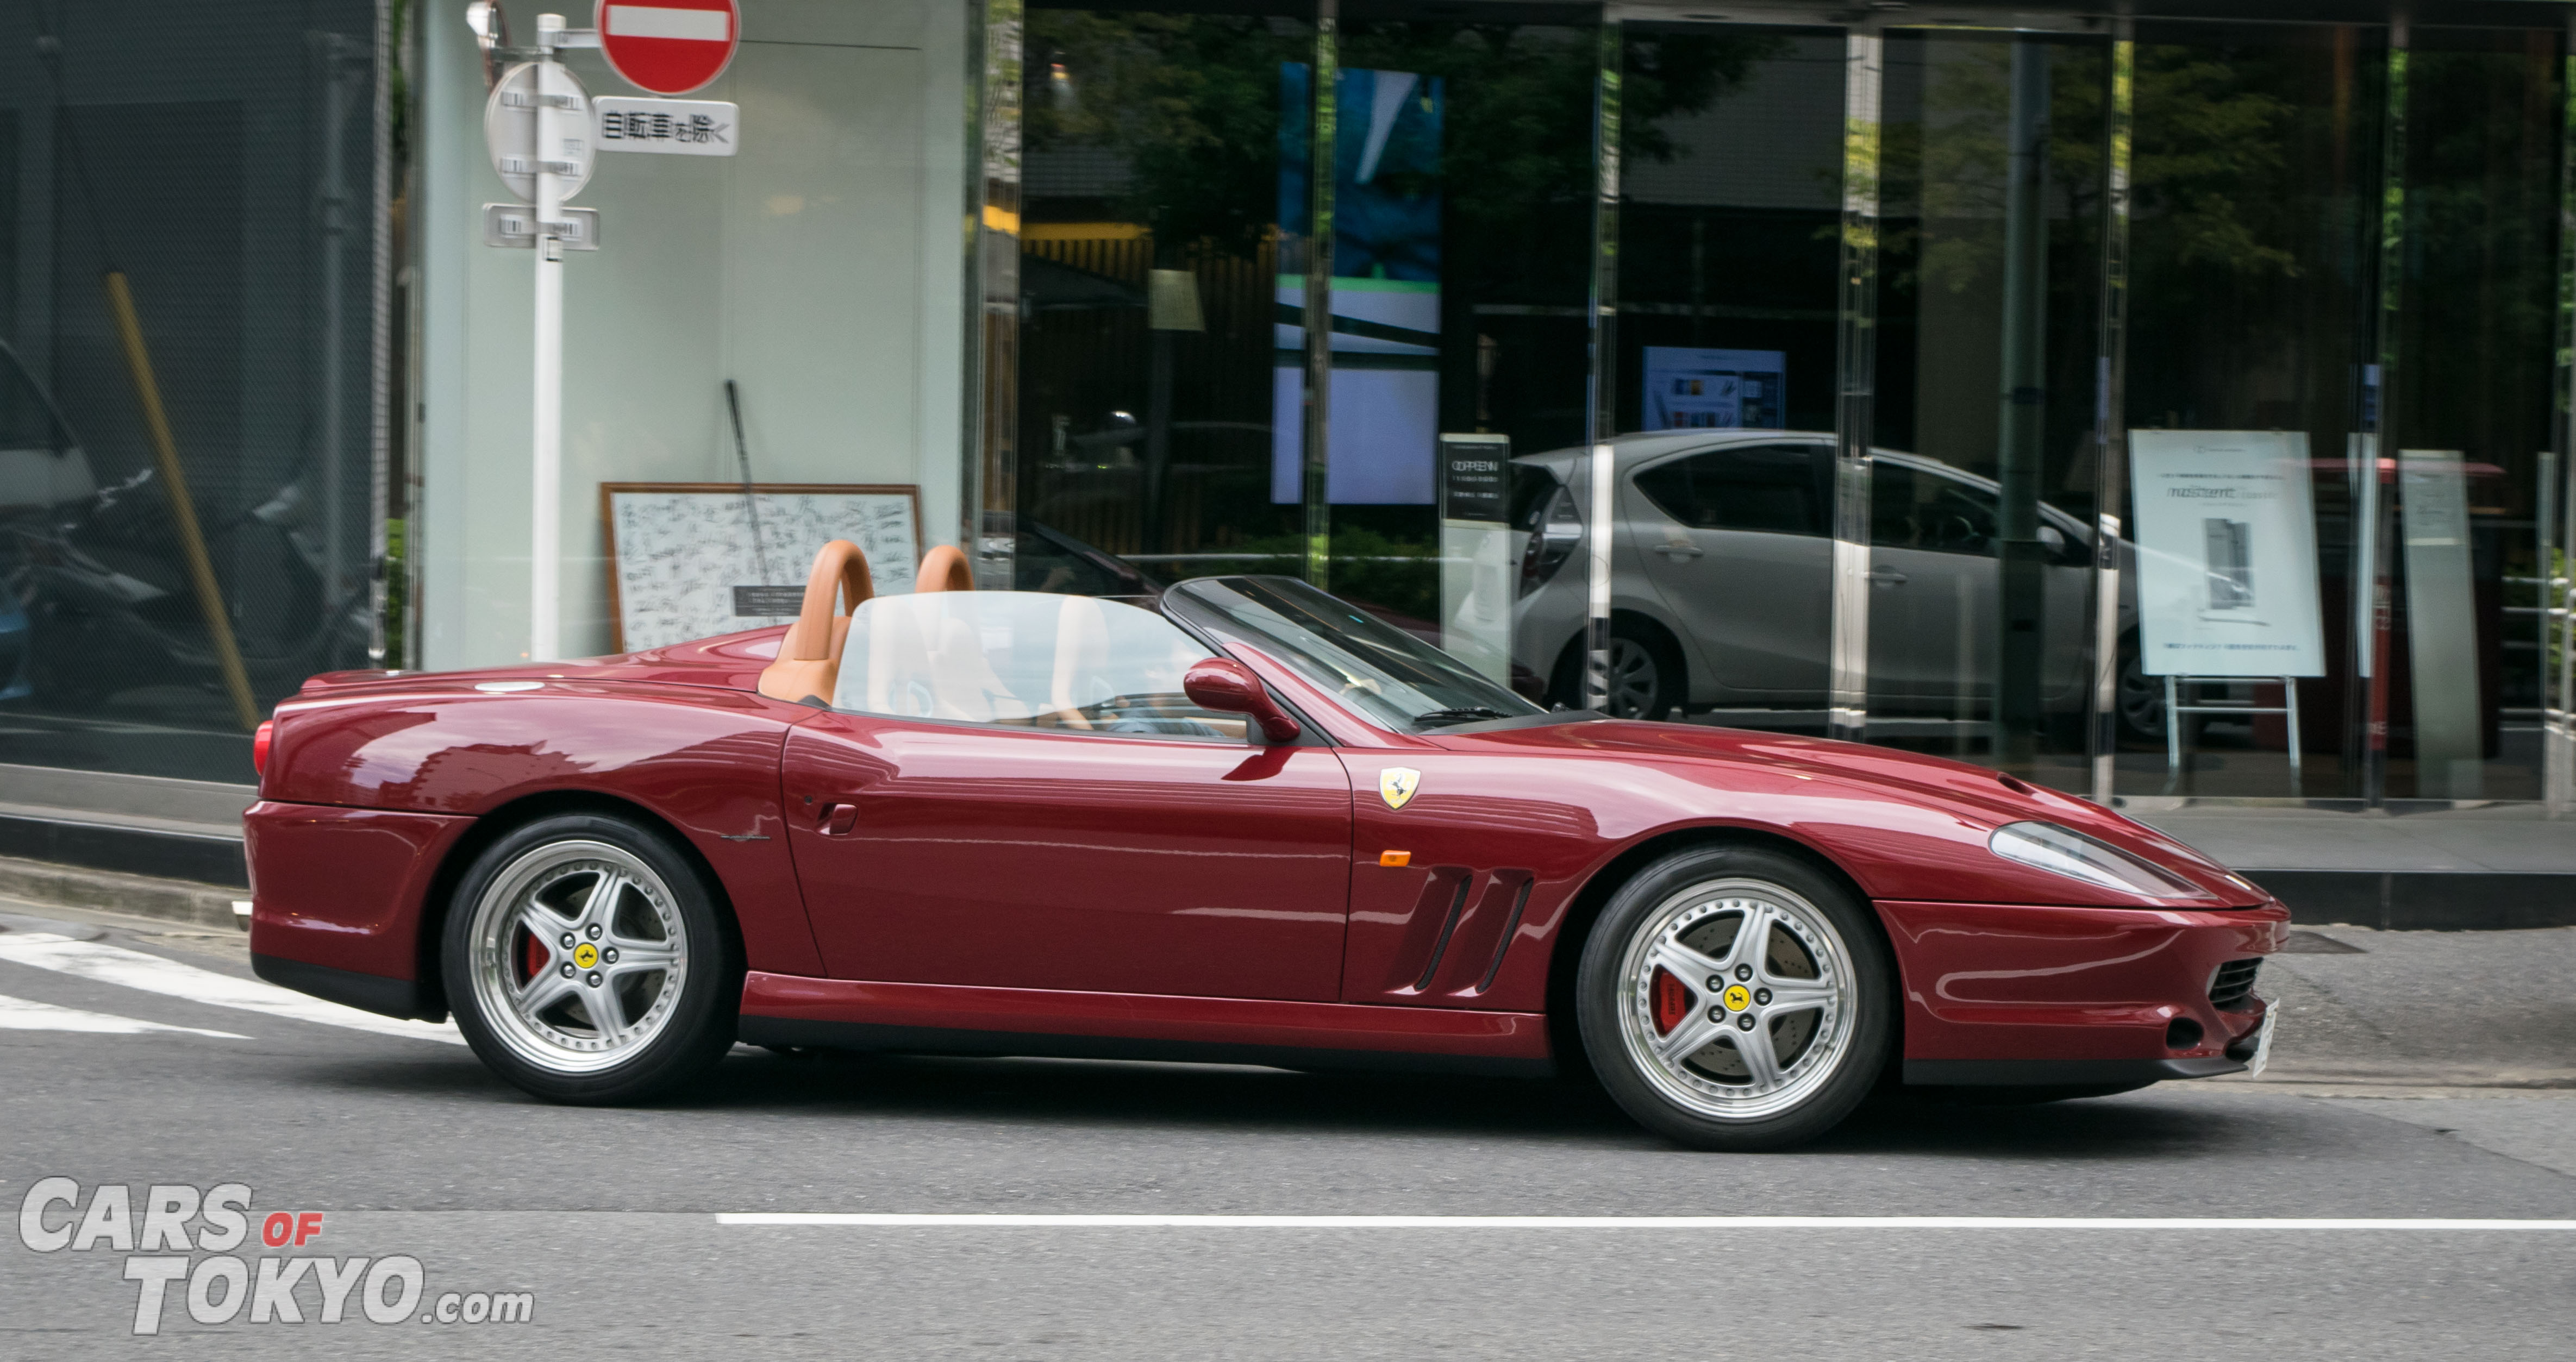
(2064, 851)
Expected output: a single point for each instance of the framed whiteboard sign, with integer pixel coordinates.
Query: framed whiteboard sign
(2227, 553)
(682, 563)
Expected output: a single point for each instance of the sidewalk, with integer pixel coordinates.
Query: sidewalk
(2370, 1010)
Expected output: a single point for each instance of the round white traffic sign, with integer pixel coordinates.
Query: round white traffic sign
(669, 47)
(510, 127)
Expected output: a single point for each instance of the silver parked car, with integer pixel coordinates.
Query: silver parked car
(1721, 590)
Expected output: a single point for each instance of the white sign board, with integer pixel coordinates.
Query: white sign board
(677, 551)
(2226, 552)
(510, 127)
(672, 127)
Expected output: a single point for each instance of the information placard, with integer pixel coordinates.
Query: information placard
(2226, 553)
(1476, 558)
(682, 562)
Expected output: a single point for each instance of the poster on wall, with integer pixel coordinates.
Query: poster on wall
(1385, 398)
(1688, 389)
(683, 562)
(2226, 553)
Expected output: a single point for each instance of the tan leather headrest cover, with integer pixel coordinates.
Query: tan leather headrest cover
(945, 569)
(809, 657)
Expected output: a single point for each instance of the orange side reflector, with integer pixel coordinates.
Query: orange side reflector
(1396, 858)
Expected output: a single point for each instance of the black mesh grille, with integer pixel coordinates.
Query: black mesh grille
(2233, 983)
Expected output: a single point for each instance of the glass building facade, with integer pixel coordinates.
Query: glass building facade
(2150, 401)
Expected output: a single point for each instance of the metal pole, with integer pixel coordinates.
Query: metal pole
(1856, 360)
(2173, 733)
(2290, 706)
(1600, 415)
(1323, 122)
(545, 537)
(2110, 420)
(2379, 507)
(2021, 561)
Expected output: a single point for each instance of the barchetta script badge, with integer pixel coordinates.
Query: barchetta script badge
(1396, 784)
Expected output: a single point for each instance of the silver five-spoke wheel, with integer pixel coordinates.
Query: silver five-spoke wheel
(1737, 998)
(579, 956)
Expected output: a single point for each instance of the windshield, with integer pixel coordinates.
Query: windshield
(1393, 678)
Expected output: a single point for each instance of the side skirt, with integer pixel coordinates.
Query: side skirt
(959, 1019)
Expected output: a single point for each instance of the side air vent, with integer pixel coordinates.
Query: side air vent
(2233, 983)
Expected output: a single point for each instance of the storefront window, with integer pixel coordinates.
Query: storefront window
(1150, 245)
(2252, 385)
(2471, 411)
(194, 232)
(1723, 373)
(1980, 564)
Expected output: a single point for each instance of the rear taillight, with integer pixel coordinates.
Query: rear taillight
(259, 745)
(1555, 534)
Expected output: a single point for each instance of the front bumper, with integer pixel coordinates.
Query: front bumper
(2005, 994)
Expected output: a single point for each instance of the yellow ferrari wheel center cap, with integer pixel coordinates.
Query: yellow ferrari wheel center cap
(587, 955)
(1737, 999)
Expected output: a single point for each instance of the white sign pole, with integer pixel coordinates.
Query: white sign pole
(545, 539)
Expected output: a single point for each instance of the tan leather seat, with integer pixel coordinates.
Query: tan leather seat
(809, 657)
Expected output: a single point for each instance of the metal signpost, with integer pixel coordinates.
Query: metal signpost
(542, 131)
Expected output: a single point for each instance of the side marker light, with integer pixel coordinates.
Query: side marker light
(1395, 858)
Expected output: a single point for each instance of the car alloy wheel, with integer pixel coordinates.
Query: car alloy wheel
(1737, 1000)
(1733, 997)
(579, 956)
(585, 961)
(1636, 680)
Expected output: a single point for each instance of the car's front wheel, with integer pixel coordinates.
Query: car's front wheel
(586, 962)
(1736, 998)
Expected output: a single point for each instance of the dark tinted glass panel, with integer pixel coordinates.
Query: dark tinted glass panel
(1772, 489)
(217, 164)
(1912, 509)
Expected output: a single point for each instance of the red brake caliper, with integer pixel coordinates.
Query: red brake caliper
(537, 957)
(1672, 1001)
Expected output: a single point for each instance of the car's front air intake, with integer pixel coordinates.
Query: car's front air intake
(2233, 983)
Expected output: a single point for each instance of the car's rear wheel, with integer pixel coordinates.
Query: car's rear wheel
(586, 962)
(1735, 998)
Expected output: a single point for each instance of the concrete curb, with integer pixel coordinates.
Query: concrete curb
(42, 882)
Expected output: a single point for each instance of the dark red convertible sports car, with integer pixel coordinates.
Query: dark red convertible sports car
(1254, 824)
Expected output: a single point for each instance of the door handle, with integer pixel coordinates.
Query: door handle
(1888, 576)
(837, 820)
(1678, 552)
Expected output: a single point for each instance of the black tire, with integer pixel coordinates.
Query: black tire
(681, 1033)
(1688, 1098)
(2139, 699)
(1648, 679)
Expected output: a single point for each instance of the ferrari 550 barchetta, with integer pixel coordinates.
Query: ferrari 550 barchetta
(1251, 823)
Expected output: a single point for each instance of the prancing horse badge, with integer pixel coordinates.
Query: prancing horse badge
(1396, 784)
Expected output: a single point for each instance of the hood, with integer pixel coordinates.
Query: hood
(1975, 794)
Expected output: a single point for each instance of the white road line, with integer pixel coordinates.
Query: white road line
(133, 969)
(25, 1014)
(1618, 1222)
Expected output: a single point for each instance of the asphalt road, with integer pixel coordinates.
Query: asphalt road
(609, 1220)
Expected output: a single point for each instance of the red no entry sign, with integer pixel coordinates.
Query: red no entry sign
(669, 46)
